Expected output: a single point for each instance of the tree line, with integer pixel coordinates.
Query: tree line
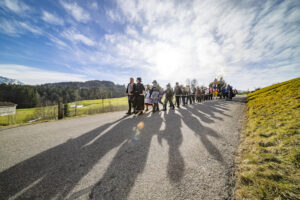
(28, 96)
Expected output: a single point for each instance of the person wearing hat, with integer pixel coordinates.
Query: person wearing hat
(155, 96)
(129, 92)
(168, 98)
(139, 96)
(178, 93)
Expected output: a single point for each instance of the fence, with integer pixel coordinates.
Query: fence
(80, 108)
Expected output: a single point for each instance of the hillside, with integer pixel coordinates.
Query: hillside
(270, 150)
(6, 80)
(28, 96)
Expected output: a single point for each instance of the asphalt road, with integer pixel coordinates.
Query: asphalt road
(183, 154)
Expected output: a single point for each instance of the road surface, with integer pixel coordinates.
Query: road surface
(183, 154)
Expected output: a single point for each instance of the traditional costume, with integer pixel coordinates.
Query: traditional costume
(139, 96)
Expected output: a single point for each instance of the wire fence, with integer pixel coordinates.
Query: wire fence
(80, 108)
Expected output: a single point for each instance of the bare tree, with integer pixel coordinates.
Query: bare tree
(194, 82)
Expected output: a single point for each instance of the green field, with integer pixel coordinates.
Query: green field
(269, 164)
(86, 107)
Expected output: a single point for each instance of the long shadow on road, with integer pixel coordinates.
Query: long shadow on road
(203, 133)
(55, 172)
(128, 163)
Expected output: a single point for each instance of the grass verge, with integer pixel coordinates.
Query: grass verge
(269, 163)
(48, 113)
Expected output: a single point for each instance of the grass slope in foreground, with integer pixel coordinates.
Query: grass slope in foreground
(270, 150)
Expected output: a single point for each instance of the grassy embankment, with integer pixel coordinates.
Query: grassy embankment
(270, 150)
(86, 107)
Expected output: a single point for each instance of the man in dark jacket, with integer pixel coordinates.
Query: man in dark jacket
(129, 92)
(139, 96)
(178, 94)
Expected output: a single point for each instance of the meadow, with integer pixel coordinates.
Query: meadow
(79, 108)
(269, 162)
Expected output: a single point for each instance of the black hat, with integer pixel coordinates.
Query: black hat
(154, 81)
(169, 85)
(139, 78)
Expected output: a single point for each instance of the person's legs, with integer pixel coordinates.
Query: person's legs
(129, 106)
(177, 101)
(159, 101)
(165, 104)
(183, 100)
(171, 103)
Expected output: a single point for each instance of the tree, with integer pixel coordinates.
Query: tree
(194, 82)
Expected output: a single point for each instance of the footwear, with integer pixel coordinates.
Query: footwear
(128, 113)
(140, 113)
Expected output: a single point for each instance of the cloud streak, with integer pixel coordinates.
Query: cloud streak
(76, 11)
(250, 44)
(33, 76)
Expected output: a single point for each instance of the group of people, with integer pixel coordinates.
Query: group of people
(140, 97)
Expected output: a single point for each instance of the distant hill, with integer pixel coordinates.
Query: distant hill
(10, 81)
(86, 84)
(28, 96)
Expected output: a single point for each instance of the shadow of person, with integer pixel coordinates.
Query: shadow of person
(172, 134)
(203, 133)
(210, 108)
(202, 116)
(54, 172)
(129, 161)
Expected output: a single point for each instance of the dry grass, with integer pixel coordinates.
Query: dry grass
(270, 151)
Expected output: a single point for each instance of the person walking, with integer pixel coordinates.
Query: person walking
(206, 97)
(189, 95)
(161, 94)
(169, 97)
(129, 92)
(148, 101)
(155, 96)
(198, 94)
(184, 96)
(210, 93)
(229, 90)
(193, 93)
(178, 93)
(139, 96)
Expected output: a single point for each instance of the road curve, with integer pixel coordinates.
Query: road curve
(183, 154)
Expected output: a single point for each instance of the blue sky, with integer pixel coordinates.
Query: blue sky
(250, 43)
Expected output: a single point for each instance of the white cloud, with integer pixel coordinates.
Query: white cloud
(171, 41)
(52, 19)
(33, 76)
(76, 11)
(94, 5)
(15, 28)
(15, 6)
(77, 37)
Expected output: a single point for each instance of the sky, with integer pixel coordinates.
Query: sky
(250, 43)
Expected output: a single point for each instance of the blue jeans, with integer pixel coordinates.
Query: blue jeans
(183, 100)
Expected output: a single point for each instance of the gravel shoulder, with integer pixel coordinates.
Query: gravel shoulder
(183, 154)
